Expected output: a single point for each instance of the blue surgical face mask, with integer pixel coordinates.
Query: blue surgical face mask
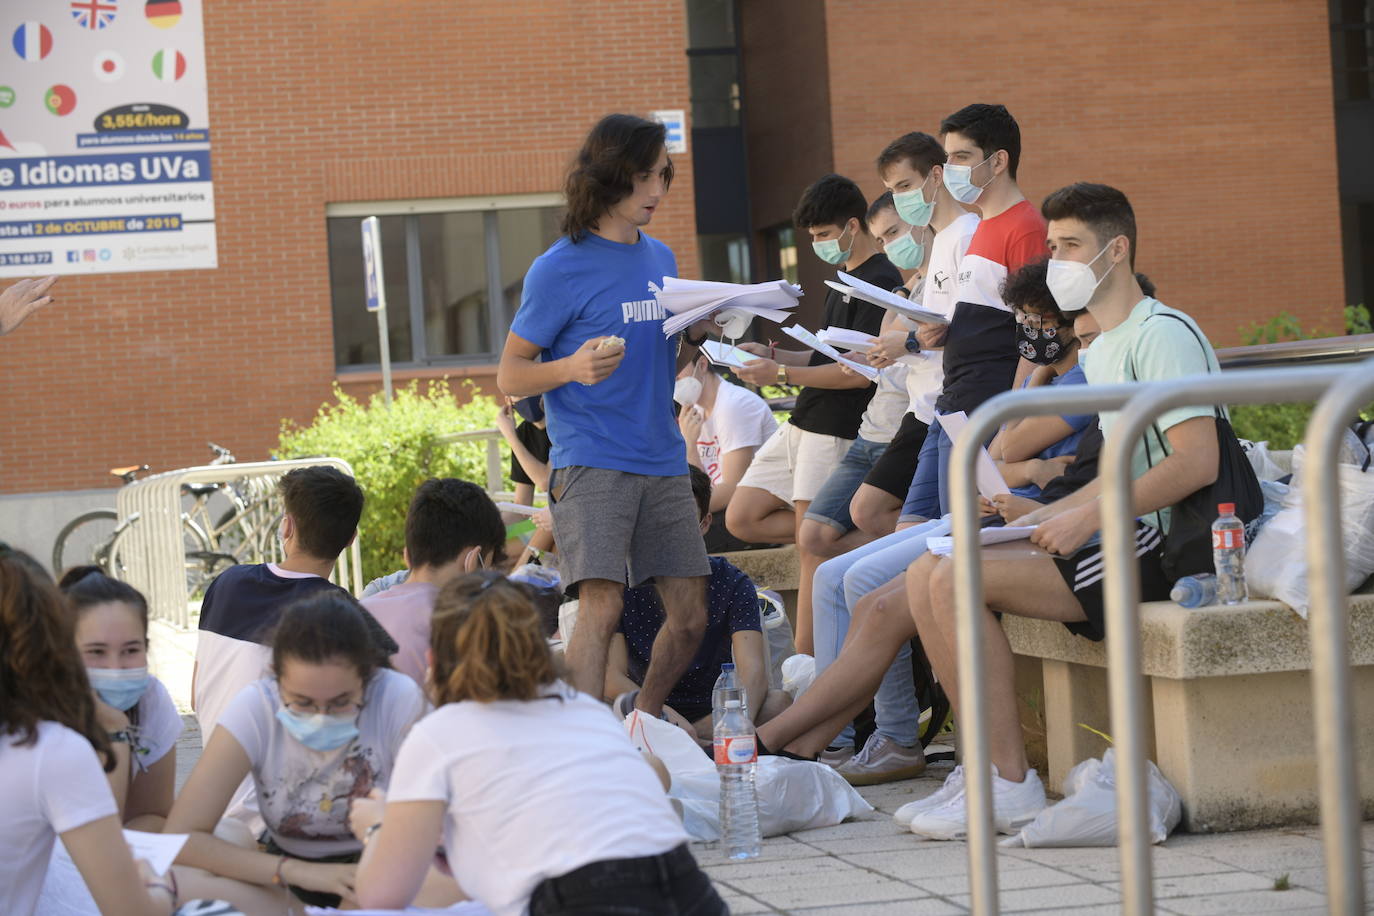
(830, 252)
(913, 207)
(122, 688)
(905, 252)
(531, 409)
(959, 182)
(319, 732)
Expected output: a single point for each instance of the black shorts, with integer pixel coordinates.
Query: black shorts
(896, 466)
(1082, 573)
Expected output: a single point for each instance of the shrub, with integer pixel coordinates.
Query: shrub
(392, 450)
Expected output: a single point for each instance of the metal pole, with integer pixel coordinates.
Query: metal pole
(968, 594)
(1121, 585)
(1329, 625)
(384, 341)
(374, 283)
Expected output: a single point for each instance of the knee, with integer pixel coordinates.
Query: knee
(941, 588)
(739, 517)
(817, 538)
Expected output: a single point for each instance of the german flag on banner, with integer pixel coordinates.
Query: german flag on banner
(163, 13)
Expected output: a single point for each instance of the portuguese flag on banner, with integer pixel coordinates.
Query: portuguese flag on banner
(163, 13)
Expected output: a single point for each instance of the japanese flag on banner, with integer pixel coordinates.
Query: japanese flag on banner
(108, 66)
(169, 65)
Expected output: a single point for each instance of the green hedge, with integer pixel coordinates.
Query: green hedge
(393, 450)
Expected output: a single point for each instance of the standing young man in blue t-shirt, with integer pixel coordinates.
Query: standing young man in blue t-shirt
(589, 337)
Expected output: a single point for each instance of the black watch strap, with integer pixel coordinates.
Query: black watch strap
(912, 344)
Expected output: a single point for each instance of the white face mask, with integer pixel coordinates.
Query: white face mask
(959, 182)
(1072, 283)
(687, 391)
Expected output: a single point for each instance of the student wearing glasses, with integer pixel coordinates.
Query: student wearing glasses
(320, 731)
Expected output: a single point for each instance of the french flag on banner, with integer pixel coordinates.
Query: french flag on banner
(32, 41)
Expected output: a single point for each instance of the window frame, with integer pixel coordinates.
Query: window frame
(497, 321)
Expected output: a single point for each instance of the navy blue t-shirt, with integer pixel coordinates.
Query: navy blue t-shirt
(732, 604)
(596, 288)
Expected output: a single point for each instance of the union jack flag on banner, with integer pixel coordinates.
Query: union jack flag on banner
(94, 14)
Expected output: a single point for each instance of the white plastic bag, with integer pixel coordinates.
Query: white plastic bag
(1265, 466)
(1087, 815)
(777, 631)
(797, 674)
(793, 794)
(1276, 564)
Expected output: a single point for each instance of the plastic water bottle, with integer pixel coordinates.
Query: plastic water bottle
(727, 688)
(1195, 591)
(736, 752)
(1228, 555)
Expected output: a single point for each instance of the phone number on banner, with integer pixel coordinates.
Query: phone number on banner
(160, 222)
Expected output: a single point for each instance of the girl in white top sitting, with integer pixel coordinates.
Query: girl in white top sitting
(534, 792)
(322, 730)
(54, 756)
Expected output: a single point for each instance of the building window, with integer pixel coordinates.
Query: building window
(454, 272)
(780, 253)
(724, 258)
(1352, 49)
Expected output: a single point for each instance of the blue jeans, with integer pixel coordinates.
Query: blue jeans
(929, 493)
(839, 585)
(831, 505)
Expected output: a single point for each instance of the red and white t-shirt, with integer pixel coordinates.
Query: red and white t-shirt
(980, 351)
(738, 419)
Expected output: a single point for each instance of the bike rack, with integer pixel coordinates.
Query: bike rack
(1121, 584)
(153, 549)
(1328, 621)
(495, 464)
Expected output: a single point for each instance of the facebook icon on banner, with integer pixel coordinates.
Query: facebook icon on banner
(676, 123)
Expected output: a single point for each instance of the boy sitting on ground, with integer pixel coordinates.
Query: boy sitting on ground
(452, 528)
(733, 632)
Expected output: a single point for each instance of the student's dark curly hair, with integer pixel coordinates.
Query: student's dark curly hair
(449, 516)
(832, 200)
(618, 148)
(41, 674)
(1025, 289)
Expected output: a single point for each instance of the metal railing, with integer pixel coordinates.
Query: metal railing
(1142, 402)
(495, 464)
(1351, 348)
(152, 552)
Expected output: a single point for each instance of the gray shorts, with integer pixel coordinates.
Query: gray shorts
(625, 527)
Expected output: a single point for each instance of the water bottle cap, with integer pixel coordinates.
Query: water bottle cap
(728, 666)
(1226, 508)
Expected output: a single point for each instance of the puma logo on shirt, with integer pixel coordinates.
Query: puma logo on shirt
(642, 310)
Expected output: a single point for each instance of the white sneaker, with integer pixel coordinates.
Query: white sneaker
(836, 757)
(883, 760)
(1014, 805)
(953, 785)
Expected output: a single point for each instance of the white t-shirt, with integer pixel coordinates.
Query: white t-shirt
(739, 419)
(939, 294)
(889, 404)
(534, 789)
(159, 724)
(303, 794)
(49, 787)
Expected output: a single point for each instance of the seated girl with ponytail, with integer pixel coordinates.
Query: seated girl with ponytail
(54, 755)
(534, 792)
(322, 730)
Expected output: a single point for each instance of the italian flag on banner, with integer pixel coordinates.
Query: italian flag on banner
(169, 65)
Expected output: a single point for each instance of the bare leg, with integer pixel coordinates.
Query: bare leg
(875, 511)
(684, 626)
(598, 614)
(803, 637)
(938, 644)
(826, 541)
(757, 516)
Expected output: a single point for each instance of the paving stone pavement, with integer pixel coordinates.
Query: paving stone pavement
(871, 867)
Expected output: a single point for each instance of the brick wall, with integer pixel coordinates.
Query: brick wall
(314, 103)
(1215, 118)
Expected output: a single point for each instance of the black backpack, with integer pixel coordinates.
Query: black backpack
(1188, 543)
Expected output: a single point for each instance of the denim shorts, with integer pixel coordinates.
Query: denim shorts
(831, 505)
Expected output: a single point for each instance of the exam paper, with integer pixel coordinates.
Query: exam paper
(847, 339)
(689, 301)
(159, 850)
(811, 340)
(990, 480)
(723, 354)
(944, 546)
(879, 296)
(518, 509)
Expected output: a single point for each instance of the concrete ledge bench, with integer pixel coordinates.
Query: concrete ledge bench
(1229, 706)
(771, 567)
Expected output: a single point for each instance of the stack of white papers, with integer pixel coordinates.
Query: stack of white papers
(815, 343)
(990, 480)
(944, 546)
(854, 287)
(846, 339)
(723, 354)
(689, 301)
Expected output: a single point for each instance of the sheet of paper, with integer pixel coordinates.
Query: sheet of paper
(811, 340)
(689, 301)
(990, 480)
(847, 339)
(888, 300)
(158, 849)
(944, 546)
(466, 908)
(723, 354)
(518, 509)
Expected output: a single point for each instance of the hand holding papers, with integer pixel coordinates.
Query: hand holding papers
(846, 339)
(815, 343)
(944, 546)
(853, 286)
(990, 481)
(689, 301)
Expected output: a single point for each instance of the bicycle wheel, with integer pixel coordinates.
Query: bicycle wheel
(85, 539)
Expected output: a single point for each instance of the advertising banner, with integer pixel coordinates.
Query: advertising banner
(104, 137)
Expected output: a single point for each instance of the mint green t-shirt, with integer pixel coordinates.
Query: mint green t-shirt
(1147, 347)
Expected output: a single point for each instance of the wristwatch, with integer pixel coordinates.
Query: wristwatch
(912, 344)
(782, 375)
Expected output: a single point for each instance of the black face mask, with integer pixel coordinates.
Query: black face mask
(1041, 346)
(531, 409)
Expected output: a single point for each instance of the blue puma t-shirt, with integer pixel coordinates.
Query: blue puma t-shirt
(598, 288)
